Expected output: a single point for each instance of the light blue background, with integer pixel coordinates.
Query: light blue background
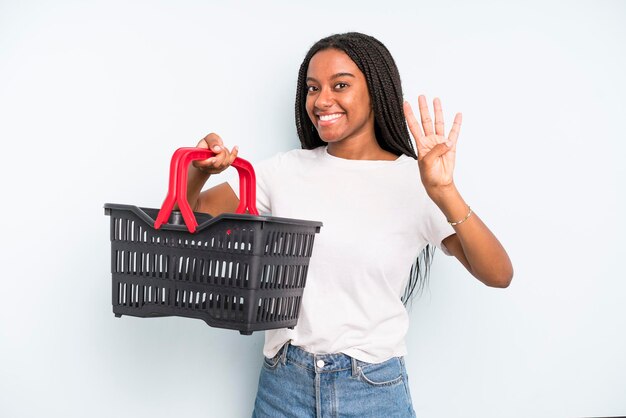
(96, 95)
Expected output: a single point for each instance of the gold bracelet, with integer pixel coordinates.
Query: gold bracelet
(462, 220)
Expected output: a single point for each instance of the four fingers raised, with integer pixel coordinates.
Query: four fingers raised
(427, 134)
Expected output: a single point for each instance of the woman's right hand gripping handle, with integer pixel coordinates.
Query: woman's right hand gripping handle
(220, 198)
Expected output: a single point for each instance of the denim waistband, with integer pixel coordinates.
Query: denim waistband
(319, 363)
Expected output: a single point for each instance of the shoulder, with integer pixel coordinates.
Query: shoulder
(407, 173)
(301, 154)
(406, 166)
(284, 165)
(289, 158)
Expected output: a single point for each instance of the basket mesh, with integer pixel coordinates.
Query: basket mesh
(240, 274)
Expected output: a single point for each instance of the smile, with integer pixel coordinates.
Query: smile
(330, 117)
(327, 120)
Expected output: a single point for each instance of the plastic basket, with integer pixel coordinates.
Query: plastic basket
(237, 271)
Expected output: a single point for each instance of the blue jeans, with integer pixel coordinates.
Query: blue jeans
(296, 383)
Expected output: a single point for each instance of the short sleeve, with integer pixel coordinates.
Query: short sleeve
(436, 227)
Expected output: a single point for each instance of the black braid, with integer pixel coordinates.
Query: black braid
(383, 82)
(390, 128)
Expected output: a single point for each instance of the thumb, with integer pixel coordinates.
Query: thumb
(202, 144)
(213, 142)
(436, 152)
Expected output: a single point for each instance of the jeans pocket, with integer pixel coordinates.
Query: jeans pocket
(387, 373)
(271, 363)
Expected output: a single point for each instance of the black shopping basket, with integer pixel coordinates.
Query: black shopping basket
(237, 271)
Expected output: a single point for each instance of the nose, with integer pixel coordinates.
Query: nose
(324, 99)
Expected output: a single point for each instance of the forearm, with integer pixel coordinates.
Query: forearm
(195, 182)
(485, 257)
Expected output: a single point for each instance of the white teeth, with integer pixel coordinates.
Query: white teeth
(330, 117)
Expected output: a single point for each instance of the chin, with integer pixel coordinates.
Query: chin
(329, 138)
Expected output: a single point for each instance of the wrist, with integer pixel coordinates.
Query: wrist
(450, 202)
(442, 194)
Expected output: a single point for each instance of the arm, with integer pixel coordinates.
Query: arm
(218, 199)
(474, 245)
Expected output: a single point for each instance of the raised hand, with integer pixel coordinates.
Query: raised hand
(435, 152)
(222, 159)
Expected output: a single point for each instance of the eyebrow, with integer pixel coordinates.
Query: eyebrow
(338, 75)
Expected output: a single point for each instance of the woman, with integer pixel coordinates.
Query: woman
(357, 174)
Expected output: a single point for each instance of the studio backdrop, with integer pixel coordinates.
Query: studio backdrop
(95, 96)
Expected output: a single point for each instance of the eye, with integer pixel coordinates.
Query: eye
(311, 89)
(340, 86)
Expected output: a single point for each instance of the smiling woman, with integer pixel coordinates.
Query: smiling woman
(357, 173)
(339, 106)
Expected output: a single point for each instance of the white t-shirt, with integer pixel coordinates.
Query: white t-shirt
(376, 219)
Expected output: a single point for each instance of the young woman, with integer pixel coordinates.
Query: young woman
(380, 208)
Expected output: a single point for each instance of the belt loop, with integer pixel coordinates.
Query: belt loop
(283, 355)
(355, 368)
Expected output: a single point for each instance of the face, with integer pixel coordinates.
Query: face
(338, 101)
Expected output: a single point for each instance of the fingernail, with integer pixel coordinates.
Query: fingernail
(217, 148)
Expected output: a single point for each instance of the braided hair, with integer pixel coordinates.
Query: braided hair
(385, 89)
(383, 84)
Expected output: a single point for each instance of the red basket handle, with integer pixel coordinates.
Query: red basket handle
(177, 192)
